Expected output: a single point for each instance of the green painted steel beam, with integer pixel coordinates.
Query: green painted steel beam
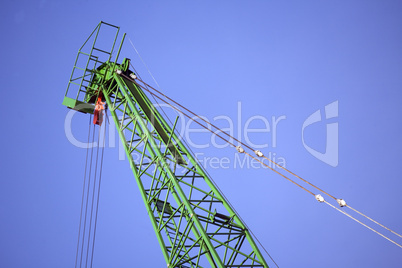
(227, 237)
(152, 117)
(193, 222)
(178, 194)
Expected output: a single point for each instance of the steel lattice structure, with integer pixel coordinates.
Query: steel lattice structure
(194, 224)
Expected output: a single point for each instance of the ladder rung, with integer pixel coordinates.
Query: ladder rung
(100, 50)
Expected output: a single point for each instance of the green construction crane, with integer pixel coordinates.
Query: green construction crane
(194, 224)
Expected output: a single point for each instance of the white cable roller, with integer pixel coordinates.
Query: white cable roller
(319, 198)
(240, 149)
(341, 202)
(259, 153)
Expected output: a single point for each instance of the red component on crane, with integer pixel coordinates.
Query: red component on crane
(98, 113)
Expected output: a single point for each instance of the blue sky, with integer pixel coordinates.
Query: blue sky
(276, 59)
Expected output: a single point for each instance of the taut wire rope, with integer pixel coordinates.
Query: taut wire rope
(146, 87)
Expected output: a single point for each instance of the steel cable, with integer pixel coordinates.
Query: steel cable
(232, 144)
(86, 206)
(83, 191)
(99, 187)
(93, 199)
(368, 227)
(245, 145)
(367, 217)
(85, 231)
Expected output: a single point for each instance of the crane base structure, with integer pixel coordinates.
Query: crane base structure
(193, 222)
